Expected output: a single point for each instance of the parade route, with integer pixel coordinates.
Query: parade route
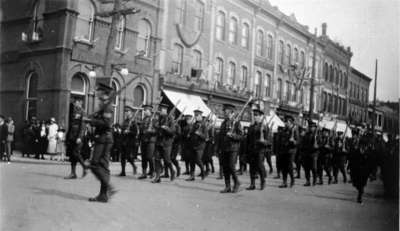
(34, 196)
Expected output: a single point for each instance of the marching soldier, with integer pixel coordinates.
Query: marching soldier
(310, 153)
(99, 164)
(257, 144)
(299, 153)
(148, 139)
(74, 138)
(289, 138)
(130, 133)
(197, 136)
(277, 150)
(176, 148)
(165, 132)
(210, 147)
(339, 157)
(186, 144)
(243, 150)
(325, 156)
(229, 141)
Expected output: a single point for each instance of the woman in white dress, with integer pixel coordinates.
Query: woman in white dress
(52, 138)
(61, 144)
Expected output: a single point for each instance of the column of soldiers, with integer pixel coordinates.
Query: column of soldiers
(162, 137)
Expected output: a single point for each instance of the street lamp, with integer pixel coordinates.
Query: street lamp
(92, 74)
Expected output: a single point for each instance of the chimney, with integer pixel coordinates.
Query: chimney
(324, 25)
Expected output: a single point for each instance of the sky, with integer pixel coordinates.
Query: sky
(370, 27)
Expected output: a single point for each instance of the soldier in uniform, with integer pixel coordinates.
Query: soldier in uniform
(148, 140)
(99, 164)
(186, 145)
(257, 144)
(289, 138)
(165, 131)
(277, 151)
(310, 153)
(325, 156)
(74, 138)
(339, 157)
(230, 136)
(243, 150)
(210, 147)
(176, 147)
(299, 153)
(197, 138)
(130, 133)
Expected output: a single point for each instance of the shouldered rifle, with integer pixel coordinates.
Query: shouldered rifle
(174, 108)
(152, 117)
(237, 118)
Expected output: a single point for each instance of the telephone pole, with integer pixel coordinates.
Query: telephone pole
(313, 75)
(374, 108)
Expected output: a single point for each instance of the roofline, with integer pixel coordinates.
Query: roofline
(360, 74)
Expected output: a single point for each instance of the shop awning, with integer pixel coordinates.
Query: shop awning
(274, 121)
(187, 103)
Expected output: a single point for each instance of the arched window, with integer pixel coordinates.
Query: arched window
(220, 27)
(85, 21)
(31, 95)
(280, 89)
(296, 55)
(288, 54)
(233, 24)
(340, 78)
(197, 59)
(244, 77)
(326, 72)
(198, 20)
(139, 96)
(345, 80)
(143, 42)
(302, 59)
(115, 104)
(281, 55)
(336, 76)
(177, 59)
(231, 73)
(220, 70)
(288, 90)
(294, 93)
(259, 42)
(257, 83)
(79, 88)
(270, 46)
(331, 73)
(245, 35)
(119, 41)
(37, 17)
(267, 85)
(181, 11)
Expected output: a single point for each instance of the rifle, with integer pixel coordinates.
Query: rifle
(179, 117)
(240, 114)
(152, 116)
(111, 98)
(174, 108)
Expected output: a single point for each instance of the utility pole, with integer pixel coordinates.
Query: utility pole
(313, 75)
(374, 108)
(115, 15)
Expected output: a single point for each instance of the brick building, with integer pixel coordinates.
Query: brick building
(358, 96)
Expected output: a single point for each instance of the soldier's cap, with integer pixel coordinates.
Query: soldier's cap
(163, 105)
(258, 111)
(228, 106)
(289, 117)
(147, 106)
(105, 88)
(128, 108)
(311, 124)
(188, 115)
(254, 105)
(325, 130)
(339, 132)
(52, 119)
(197, 111)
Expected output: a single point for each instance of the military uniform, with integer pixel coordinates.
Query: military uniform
(197, 137)
(325, 156)
(256, 148)
(74, 140)
(339, 159)
(148, 140)
(130, 133)
(288, 149)
(209, 150)
(230, 136)
(186, 143)
(176, 148)
(165, 135)
(310, 155)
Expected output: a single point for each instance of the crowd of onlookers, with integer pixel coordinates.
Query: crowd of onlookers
(7, 130)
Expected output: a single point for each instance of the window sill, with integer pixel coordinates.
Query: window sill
(121, 52)
(84, 41)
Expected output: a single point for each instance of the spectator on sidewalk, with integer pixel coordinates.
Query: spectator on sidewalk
(10, 137)
(52, 138)
(42, 140)
(3, 137)
(61, 144)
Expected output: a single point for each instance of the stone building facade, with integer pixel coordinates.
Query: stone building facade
(358, 96)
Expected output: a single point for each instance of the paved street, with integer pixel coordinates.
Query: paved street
(34, 196)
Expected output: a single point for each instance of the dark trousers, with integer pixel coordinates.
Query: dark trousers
(256, 161)
(310, 165)
(148, 157)
(74, 154)
(196, 159)
(207, 156)
(229, 159)
(163, 152)
(127, 156)
(339, 162)
(100, 165)
(2, 149)
(297, 161)
(324, 163)
(269, 161)
(174, 154)
(287, 160)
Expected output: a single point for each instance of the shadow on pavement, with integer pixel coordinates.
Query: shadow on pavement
(38, 162)
(333, 197)
(59, 193)
(46, 174)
